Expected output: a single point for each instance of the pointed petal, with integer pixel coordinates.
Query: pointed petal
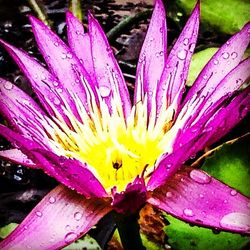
(16, 156)
(46, 86)
(169, 164)
(224, 60)
(107, 71)
(195, 197)
(70, 172)
(20, 110)
(60, 218)
(62, 62)
(175, 73)
(79, 42)
(224, 121)
(153, 55)
(194, 121)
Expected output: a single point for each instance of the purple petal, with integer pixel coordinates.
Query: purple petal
(199, 114)
(195, 197)
(46, 86)
(224, 121)
(107, 71)
(169, 164)
(16, 156)
(172, 83)
(70, 172)
(62, 62)
(79, 42)
(60, 218)
(225, 59)
(21, 111)
(152, 57)
(132, 199)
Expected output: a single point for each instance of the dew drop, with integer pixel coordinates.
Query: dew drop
(39, 214)
(236, 221)
(201, 195)
(104, 91)
(77, 216)
(205, 77)
(67, 227)
(8, 85)
(56, 101)
(69, 55)
(188, 212)
(182, 54)
(52, 200)
(216, 62)
(225, 201)
(200, 177)
(185, 41)
(234, 55)
(233, 192)
(69, 237)
(225, 55)
(43, 77)
(64, 56)
(169, 194)
(56, 44)
(55, 83)
(192, 47)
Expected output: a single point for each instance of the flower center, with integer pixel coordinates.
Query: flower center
(116, 151)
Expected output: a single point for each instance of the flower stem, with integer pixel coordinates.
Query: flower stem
(129, 231)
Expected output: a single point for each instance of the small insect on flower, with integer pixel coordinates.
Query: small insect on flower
(109, 154)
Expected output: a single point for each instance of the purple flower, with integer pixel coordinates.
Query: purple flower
(109, 154)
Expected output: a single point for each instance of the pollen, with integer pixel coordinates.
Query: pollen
(116, 150)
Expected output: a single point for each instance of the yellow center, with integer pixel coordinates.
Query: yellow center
(116, 151)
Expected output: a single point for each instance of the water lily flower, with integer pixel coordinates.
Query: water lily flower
(109, 154)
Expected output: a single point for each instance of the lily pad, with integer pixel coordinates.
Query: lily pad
(182, 237)
(6, 230)
(228, 16)
(199, 60)
(229, 164)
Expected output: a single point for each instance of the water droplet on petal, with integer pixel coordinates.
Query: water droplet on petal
(225, 55)
(185, 41)
(234, 55)
(39, 214)
(201, 195)
(64, 56)
(205, 77)
(56, 101)
(69, 55)
(77, 216)
(56, 44)
(188, 212)
(236, 221)
(169, 194)
(200, 176)
(104, 91)
(192, 47)
(182, 54)
(55, 83)
(8, 85)
(52, 200)
(233, 192)
(69, 237)
(216, 62)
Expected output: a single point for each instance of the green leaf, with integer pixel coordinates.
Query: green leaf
(6, 230)
(230, 164)
(184, 237)
(228, 15)
(199, 60)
